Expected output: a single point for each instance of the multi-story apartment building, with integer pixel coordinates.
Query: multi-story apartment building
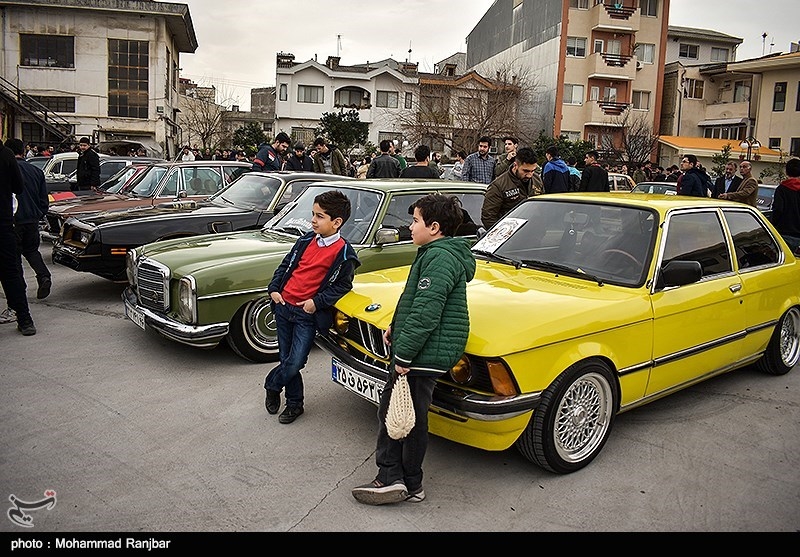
(106, 69)
(444, 110)
(598, 64)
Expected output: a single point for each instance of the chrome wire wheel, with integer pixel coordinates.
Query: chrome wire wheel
(583, 417)
(790, 338)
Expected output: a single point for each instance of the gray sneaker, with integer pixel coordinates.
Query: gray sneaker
(8, 316)
(376, 493)
(417, 496)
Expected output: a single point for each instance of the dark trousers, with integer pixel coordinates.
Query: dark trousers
(28, 245)
(296, 332)
(402, 459)
(11, 276)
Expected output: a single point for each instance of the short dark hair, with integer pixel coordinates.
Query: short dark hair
(421, 153)
(511, 139)
(692, 159)
(485, 139)
(594, 154)
(282, 137)
(552, 151)
(85, 140)
(462, 153)
(444, 209)
(525, 156)
(320, 141)
(793, 168)
(385, 145)
(335, 204)
(572, 161)
(15, 145)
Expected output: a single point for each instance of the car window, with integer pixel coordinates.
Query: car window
(68, 166)
(248, 191)
(170, 187)
(201, 180)
(109, 169)
(233, 172)
(754, 246)
(146, 185)
(697, 236)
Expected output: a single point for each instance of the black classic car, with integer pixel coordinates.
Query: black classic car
(98, 243)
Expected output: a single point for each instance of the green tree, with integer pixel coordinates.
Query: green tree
(343, 129)
(720, 159)
(775, 173)
(249, 137)
(566, 148)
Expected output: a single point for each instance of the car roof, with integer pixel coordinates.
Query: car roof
(390, 185)
(201, 163)
(661, 203)
(299, 175)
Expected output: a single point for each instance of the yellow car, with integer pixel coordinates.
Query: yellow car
(587, 305)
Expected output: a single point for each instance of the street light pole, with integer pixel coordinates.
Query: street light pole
(750, 143)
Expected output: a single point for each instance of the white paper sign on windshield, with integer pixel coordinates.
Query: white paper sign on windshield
(498, 235)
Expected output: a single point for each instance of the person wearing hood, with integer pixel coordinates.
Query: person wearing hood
(555, 174)
(786, 206)
(427, 337)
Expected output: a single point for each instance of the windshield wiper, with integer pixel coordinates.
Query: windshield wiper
(228, 201)
(559, 268)
(503, 259)
(290, 230)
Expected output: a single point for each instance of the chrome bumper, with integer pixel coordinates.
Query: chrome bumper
(447, 398)
(199, 336)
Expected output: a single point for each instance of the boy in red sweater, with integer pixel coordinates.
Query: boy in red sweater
(312, 277)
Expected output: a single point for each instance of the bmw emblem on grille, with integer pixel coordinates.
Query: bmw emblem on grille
(373, 307)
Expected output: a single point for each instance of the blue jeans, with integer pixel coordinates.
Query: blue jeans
(402, 459)
(296, 332)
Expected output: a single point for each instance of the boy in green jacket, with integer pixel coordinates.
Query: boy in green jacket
(427, 336)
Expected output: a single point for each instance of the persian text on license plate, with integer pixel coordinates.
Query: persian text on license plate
(356, 382)
(135, 315)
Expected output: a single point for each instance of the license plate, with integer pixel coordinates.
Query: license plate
(356, 382)
(135, 315)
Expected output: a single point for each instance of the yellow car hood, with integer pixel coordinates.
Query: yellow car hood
(512, 310)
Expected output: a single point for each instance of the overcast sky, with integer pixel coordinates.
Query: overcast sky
(239, 39)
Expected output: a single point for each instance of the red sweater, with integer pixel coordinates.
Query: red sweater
(310, 272)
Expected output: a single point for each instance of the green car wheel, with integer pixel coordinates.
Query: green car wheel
(253, 333)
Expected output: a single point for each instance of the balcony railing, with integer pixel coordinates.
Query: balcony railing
(616, 60)
(617, 10)
(613, 108)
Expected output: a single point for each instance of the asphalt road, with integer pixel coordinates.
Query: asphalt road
(138, 434)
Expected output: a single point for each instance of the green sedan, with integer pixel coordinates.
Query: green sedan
(201, 290)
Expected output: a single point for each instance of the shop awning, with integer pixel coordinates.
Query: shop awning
(723, 122)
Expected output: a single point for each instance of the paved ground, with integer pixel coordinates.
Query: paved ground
(139, 434)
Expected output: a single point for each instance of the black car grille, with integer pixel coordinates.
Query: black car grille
(370, 337)
(152, 285)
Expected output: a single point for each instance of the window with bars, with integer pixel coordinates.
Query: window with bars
(47, 51)
(56, 104)
(386, 99)
(128, 78)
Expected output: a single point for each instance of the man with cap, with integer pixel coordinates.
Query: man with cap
(299, 161)
(88, 166)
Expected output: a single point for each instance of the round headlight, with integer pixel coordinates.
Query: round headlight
(341, 322)
(462, 371)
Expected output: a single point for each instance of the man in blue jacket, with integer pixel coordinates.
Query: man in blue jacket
(270, 157)
(555, 174)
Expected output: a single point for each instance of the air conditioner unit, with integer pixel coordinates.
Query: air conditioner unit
(639, 65)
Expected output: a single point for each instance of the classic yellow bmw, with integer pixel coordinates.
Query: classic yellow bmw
(587, 305)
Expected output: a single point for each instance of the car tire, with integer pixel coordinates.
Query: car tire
(573, 420)
(783, 350)
(253, 333)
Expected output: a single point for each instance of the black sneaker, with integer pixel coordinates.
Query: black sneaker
(26, 328)
(273, 401)
(44, 288)
(290, 414)
(376, 493)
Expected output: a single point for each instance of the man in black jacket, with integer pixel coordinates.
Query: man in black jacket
(88, 166)
(298, 160)
(33, 203)
(11, 276)
(594, 176)
(728, 182)
(384, 166)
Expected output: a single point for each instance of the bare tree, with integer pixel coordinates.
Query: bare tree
(454, 111)
(201, 117)
(632, 141)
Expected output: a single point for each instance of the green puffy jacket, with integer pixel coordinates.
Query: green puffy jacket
(431, 322)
